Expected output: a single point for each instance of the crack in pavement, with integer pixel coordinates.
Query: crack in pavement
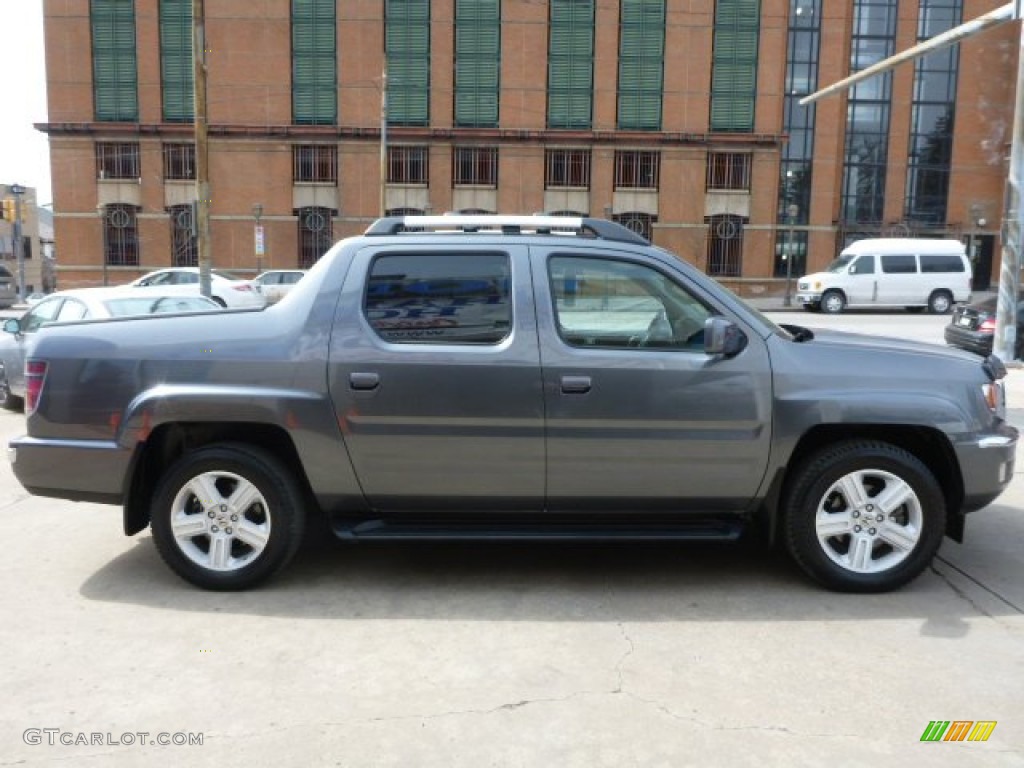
(963, 595)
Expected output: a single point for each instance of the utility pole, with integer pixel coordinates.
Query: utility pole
(384, 136)
(202, 222)
(1013, 218)
(17, 190)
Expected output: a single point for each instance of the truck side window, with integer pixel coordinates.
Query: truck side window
(899, 263)
(619, 304)
(440, 298)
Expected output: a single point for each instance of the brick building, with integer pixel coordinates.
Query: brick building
(678, 118)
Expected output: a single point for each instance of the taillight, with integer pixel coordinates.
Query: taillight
(988, 324)
(242, 287)
(35, 376)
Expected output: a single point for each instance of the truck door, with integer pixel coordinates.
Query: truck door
(638, 417)
(435, 376)
(861, 282)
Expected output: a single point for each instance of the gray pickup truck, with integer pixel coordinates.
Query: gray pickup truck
(513, 377)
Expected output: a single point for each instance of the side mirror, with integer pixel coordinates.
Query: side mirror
(12, 325)
(723, 338)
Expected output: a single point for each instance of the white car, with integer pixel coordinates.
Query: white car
(275, 284)
(79, 304)
(226, 289)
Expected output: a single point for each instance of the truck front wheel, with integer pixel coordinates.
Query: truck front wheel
(226, 517)
(863, 516)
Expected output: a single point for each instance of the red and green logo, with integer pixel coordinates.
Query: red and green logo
(958, 730)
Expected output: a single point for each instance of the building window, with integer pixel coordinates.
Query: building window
(641, 223)
(637, 170)
(184, 252)
(408, 165)
(314, 62)
(407, 41)
(176, 60)
(932, 116)
(475, 166)
(570, 63)
(315, 163)
(734, 64)
(866, 154)
(641, 64)
(316, 235)
(567, 168)
(802, 56)
(114, 76)
(477, 62)
(120, 236)
(117, 160)
(725, 246)
(728, 171)
(179, 162)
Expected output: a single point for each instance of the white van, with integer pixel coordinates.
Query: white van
(899, 272)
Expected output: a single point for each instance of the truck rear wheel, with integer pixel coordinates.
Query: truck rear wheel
(226, 517)
(864, 516)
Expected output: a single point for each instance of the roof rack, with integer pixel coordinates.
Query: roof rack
(602, 229)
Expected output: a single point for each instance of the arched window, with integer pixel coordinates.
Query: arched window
(120, 235)
(315, 234)
(725, 245)
(184, 252)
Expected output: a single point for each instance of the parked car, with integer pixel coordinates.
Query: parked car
(891, 272)
(68, 306)
(973, 327)
(514, 377)
(226, 289)
(275, 284)
(8, 288)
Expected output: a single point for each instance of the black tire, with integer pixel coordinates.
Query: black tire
(860, 557)
(940, 302)
(219, 300)
(833, 302)
(273, 517)
(8, 401)
(813, 307)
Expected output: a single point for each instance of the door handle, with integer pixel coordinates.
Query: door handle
(575, 385)
(364, 381)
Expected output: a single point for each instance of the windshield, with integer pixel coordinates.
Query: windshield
(840, 264)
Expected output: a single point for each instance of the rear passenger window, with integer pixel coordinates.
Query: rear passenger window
(942, 264)
(440, 298)
(899, 264)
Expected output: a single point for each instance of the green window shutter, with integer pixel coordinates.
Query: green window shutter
(571, 64)
(314, 62)
(176, 60)
(114, 67)
(407, 42)
(734, 65)
(641, 64)
(477, 62)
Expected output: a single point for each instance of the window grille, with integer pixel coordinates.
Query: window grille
(637, 170)
(476, 166)
(315, 163)
(117, 160)
(567, 168)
